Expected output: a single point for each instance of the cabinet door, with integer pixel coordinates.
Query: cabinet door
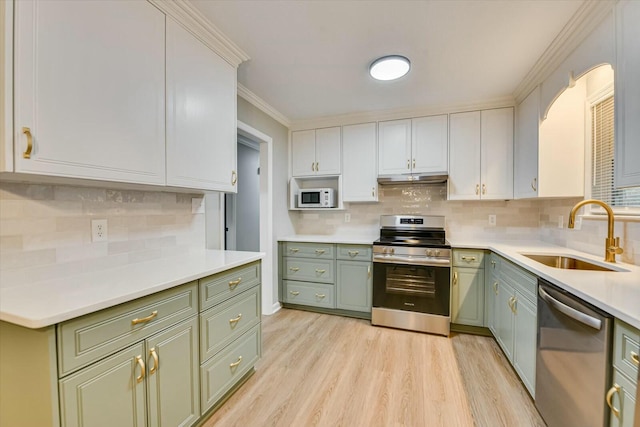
(201, 114)
(173, 375)
(394, 147)
(464, 160)
(328, 151)
(525, 167)
(525, 332)
(491, 297)
(627, 99)
(89, 85)
(496, 155)
(624, 400)
(354, 287)
(468, 296)
(303, 153)
(108, 393)
(504, 322)
(430, 144)
(359, 175)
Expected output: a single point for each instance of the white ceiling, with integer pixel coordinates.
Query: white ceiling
(309, 59)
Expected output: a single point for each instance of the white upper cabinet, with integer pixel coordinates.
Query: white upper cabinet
(413, 146)
(359, 174)
(90, 90)
(201, 114)
(627, 98)
(525, 182)
(394, 139)
(481, 150)
(316, 152)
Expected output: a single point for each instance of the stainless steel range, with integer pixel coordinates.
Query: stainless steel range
(412, 274)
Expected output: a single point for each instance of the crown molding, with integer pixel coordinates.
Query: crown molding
(196, 23)
(397, 114)
(263, 106)
(588, 16)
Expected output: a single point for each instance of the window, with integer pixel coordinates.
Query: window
(602, 155)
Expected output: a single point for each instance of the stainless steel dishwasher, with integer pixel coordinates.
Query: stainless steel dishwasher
(572, 360)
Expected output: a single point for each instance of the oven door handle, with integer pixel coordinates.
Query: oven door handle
(570, 311)
(394, 259)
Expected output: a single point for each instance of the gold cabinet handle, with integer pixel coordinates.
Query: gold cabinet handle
(455, 278)
(294, 269)
(373, 192)
(142, 368)
(495, 288)
(319, 271)
(153, 354)
(235, 320)
(510, 303)
(493, 264)
(317, 166)
(369, 271)
(234, 283)
(234, 364)
(145, 319)
(414, 163)
(294, 293)
(634, 359)
(477, 188)
(353, 253)
(484, 189)
(27, 152)
(613, 390)
(468, 258)
(408, 163)
(320, 296)
(293, 250)
(234, 177)
(514, 305)
(534, 184)
(320, 251)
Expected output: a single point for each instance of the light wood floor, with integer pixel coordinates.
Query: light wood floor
(323, 370)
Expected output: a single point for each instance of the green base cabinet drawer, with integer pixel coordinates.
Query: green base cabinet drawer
(222, 324)
(626, 349)
(354, 252)
(314, 294)
(309, 270)
(520, 279)
(468, 258)
(88, 338)
(309, 250)
(220, 373)
(220, 287)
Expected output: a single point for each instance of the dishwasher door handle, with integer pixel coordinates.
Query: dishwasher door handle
(570, 311)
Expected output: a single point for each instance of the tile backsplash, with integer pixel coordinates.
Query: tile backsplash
(49, 227)
(469, 220)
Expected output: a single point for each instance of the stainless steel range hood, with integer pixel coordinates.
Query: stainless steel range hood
(413, 179)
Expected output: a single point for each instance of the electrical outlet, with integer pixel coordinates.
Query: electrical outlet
(560, 221)
(99, 230)
(347, 217)
(197, 205)
(492, 220)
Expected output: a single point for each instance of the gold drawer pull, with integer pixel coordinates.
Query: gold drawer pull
(495, 288)
(234, 364)
(234, 283)
(27, 152)
(153, 354)
(145, 319)
(320, 271)
(234, 177)
(634, 359)
(613, 390)
(235, 320)
(320, 251)
(294, 269)
(468, 258)
(353, 253)
(534, 184)
(320, 296)
(142, 368)
(455, 278)
(293, 250)
(493, 264)
(294, 293)
(369, 271)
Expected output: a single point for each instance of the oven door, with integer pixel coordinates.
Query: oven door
(419, 288)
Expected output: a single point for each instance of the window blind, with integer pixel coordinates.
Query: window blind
(602, 137)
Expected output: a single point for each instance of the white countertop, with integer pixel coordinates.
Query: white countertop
(346, 239)
(617, 293)
(40, 304)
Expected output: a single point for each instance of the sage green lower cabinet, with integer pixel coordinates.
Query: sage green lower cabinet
(623, 400)
(504, 321)
(491, 283)
(467, 296)
(107, 393)
(308, 293)
(624, 381)
(354, 285)
(525, 336)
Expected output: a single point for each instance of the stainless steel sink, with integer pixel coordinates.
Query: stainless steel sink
(567, 262)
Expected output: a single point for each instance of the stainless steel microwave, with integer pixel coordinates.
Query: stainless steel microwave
(317, 198)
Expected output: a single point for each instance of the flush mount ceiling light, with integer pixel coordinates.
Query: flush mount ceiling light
(389, 67)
